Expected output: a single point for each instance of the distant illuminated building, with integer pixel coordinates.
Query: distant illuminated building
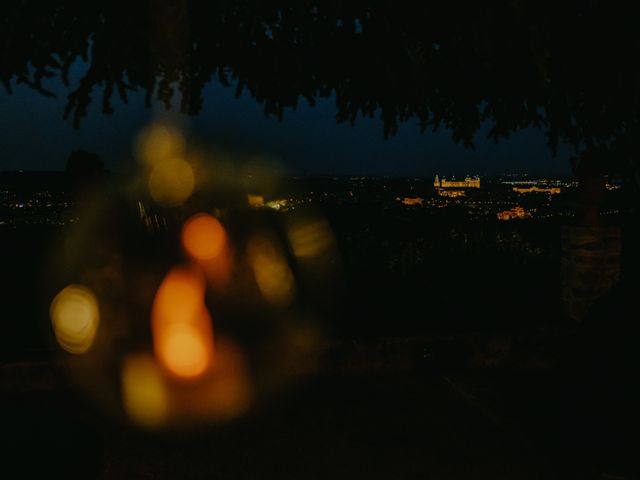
(468, 182)
(276, 204)
(412, 201)
(258, 201)
(514, 213)
(534, 189)
(451, 193)
(255, 200)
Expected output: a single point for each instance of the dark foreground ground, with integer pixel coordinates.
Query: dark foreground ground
(482, 424)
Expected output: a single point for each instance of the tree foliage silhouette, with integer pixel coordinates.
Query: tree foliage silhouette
(571, 68)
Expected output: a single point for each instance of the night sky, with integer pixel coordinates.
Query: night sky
(308, 141)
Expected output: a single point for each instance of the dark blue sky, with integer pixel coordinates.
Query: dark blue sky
(309, 140)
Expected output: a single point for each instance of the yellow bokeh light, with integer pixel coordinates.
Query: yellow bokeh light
(158, 143)
(75, 318)
(171, 182)
(310, 238)
(203, 237)
(144, 393)
(271, 270)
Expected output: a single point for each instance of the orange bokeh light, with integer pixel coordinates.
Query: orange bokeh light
(203, 237)
(180, 296)
(182, 330)
(224, 392)
(185, 350)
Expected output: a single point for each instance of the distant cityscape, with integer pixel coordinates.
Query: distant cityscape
(40, 207)
(496, 198)
(501, 198)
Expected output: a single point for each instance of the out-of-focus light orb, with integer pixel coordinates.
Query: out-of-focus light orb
(180, 296)
(181, 326)
(144, 393)
(171, 182)
(158, 143)
(75, 318)
(203, 237)
(271, 270)
(184, 350)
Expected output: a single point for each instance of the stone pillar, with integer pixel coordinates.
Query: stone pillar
(590, 264)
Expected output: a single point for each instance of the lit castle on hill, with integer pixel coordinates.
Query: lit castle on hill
(468, 182)
(453, 188)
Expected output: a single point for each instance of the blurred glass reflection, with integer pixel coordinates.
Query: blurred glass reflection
(209, 301)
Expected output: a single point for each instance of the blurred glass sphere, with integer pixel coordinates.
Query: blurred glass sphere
(192, 290)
